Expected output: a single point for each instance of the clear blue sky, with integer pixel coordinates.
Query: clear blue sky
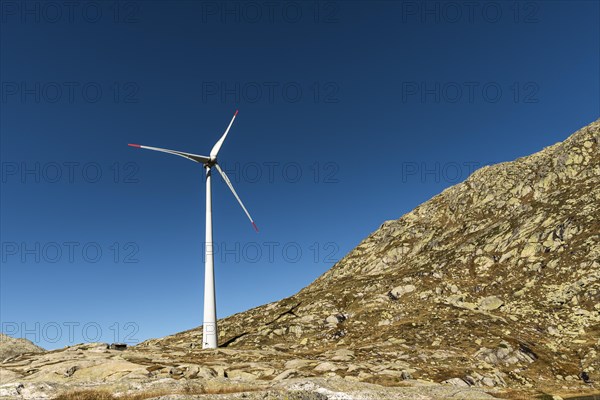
(351, 113)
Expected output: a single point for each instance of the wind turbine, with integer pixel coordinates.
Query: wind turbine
(209, 328)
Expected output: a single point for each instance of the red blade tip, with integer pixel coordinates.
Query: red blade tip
(254, 225)
(236, 111)
(134, 145)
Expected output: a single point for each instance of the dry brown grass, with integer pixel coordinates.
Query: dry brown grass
(85, 395)
(386, 380)
(99, 394)
(521, 395)
(537, 395)
(230, 389)
(525, 395)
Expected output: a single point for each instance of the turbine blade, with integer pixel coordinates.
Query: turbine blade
(189, 156)
(228, 182)
(217, 146)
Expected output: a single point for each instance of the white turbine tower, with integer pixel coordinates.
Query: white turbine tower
(210, 333)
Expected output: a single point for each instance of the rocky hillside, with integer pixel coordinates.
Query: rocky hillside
(492, 286)
(10, 347)
(495, 281)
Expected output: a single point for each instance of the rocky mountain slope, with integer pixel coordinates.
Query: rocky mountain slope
(10, 347)
(492, 286)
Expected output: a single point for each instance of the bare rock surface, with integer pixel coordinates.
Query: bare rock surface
(491, 287)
